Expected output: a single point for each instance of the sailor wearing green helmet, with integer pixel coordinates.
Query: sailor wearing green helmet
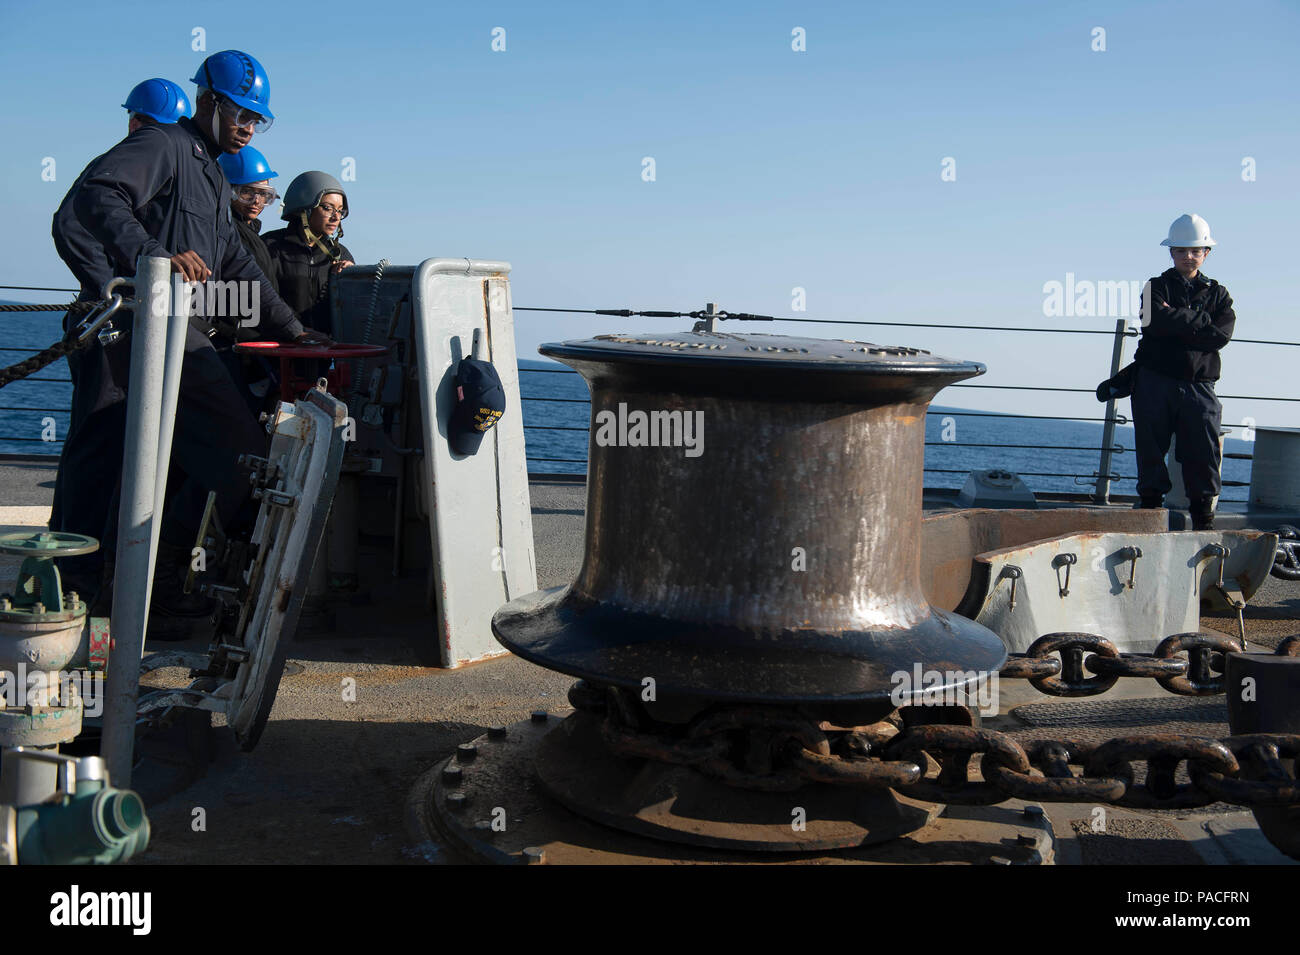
(308, 252)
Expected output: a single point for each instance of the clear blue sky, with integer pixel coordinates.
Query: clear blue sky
(775, 169)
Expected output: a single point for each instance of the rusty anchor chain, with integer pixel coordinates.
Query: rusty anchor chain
(1200, 673)
(772, 751)
(782, 749)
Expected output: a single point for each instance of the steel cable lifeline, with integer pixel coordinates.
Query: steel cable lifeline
(733, 316)
(748, 317)
(29, 366)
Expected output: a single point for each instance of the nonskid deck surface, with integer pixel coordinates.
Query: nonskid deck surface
(330, 779)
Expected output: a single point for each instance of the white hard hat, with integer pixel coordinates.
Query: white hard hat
(1189, 232)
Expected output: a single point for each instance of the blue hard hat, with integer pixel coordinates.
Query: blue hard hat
(239, 78)
(161, 100)
(247, 165)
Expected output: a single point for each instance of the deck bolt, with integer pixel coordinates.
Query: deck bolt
(496, 732)
(38, 607)
(540, 716)
(466, 752)
(457, 801)
(72, 598)
(533, 855)
(999, 860)
(452, 774)
(484, 828)
(1034, 812)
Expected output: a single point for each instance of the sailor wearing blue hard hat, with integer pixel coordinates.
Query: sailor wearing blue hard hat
(250, 175)
(160, 192)
(153, 101)
(240, 94)
(250, 178)
(157, 99)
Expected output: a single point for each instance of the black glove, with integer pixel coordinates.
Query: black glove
(313, 337)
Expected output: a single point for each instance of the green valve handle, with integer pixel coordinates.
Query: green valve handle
(39, 588)
(47, 544)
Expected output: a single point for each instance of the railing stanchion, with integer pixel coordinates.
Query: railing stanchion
(1102, 494)
(150, 406)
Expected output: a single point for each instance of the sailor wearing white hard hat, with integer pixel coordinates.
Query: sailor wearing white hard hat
(1187, 318)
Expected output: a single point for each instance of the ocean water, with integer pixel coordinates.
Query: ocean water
(1041, 451)
(34, 411)
(1045, 453)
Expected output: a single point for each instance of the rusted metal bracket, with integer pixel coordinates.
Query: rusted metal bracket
(1209, 552)
(1067, 561)
(1013, 573)
(1131, 553)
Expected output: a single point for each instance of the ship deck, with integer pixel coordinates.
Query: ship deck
(330, 780)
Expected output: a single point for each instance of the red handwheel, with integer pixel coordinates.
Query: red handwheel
(291, 384)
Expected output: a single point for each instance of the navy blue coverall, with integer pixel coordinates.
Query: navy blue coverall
(93, 394)
(1173, 392)
(160, 192)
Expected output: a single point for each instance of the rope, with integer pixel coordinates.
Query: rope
(30, 366)
(60, 349)
(74, 307)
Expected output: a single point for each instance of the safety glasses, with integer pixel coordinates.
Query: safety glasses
(252, 194)
(243, 117)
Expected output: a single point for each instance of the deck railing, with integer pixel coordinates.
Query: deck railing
(1101, 479)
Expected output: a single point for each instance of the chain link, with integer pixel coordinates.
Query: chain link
(1200, 673)
(751, 748)
(777, 749)
(1204, 653)
(1071, 647)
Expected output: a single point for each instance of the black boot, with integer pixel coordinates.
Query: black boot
(169, 597)
(1202, 510)
(1151, 502)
